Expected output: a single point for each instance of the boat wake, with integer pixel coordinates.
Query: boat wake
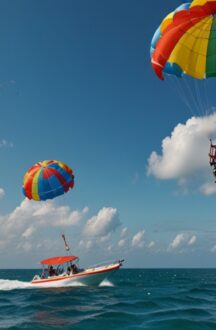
(106, 283)
(8, 285)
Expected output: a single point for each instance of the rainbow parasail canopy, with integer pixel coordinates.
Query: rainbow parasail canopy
(185, 42)
(47, 179)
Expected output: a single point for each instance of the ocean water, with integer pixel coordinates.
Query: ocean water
(165, 299)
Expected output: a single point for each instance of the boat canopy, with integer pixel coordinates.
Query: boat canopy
(58, 260)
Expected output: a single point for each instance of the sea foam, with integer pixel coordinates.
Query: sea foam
(7, 285)
(107, 283)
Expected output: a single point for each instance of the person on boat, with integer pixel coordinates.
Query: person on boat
(51, 271)
(68, 270)
(43, 274)
(74, 269)
(59, 270)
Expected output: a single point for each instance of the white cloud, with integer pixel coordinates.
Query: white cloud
(48, 245)
(86, 244)
(192, 240)
(137, 240)
(68, 218)
(185, 152)
(106, 221)
(59, 216)
(36, 226)
(105, 238)
(122, 243)
(208, 188)
(25, 246)
(2, 193)
(110, 248)
(5, 144)
(124, 232)
(178, 240)
(28, 232)
(182, 239)
(44, 213)
(30, 219)
(151, 244)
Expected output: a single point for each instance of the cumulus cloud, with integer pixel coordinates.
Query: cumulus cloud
(43, 214)
(28, 232)
(124, 232)
(122, 243)
(86, 244)
(178, 240)
(34, 226)
(106, 238)
(5, 144)
(94, 242)
(46, 245)
(151, 244)
(192, 240)
(105, 222)
(208, 188)
(25, 246)
(32, 218)
(182, 239)
(110, 247)
(2, 193)
(185, 152)
(71, 218)
(137, 240)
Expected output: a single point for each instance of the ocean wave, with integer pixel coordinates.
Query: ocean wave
(131, 299)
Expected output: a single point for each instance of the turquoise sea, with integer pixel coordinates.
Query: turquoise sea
(165, 299)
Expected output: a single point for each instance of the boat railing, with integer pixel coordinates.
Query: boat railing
(107, 263)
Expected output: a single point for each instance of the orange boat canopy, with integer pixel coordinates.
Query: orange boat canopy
(58, 260)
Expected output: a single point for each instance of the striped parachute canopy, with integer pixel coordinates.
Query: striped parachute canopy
(185, 42)
(47, 179)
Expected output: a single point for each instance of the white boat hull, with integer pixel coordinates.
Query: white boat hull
(89, 277)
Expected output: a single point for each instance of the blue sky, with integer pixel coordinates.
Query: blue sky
(76, 85)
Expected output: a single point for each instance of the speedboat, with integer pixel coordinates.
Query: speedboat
(64, 271)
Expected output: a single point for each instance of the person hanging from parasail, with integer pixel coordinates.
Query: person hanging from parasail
(212, 156)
